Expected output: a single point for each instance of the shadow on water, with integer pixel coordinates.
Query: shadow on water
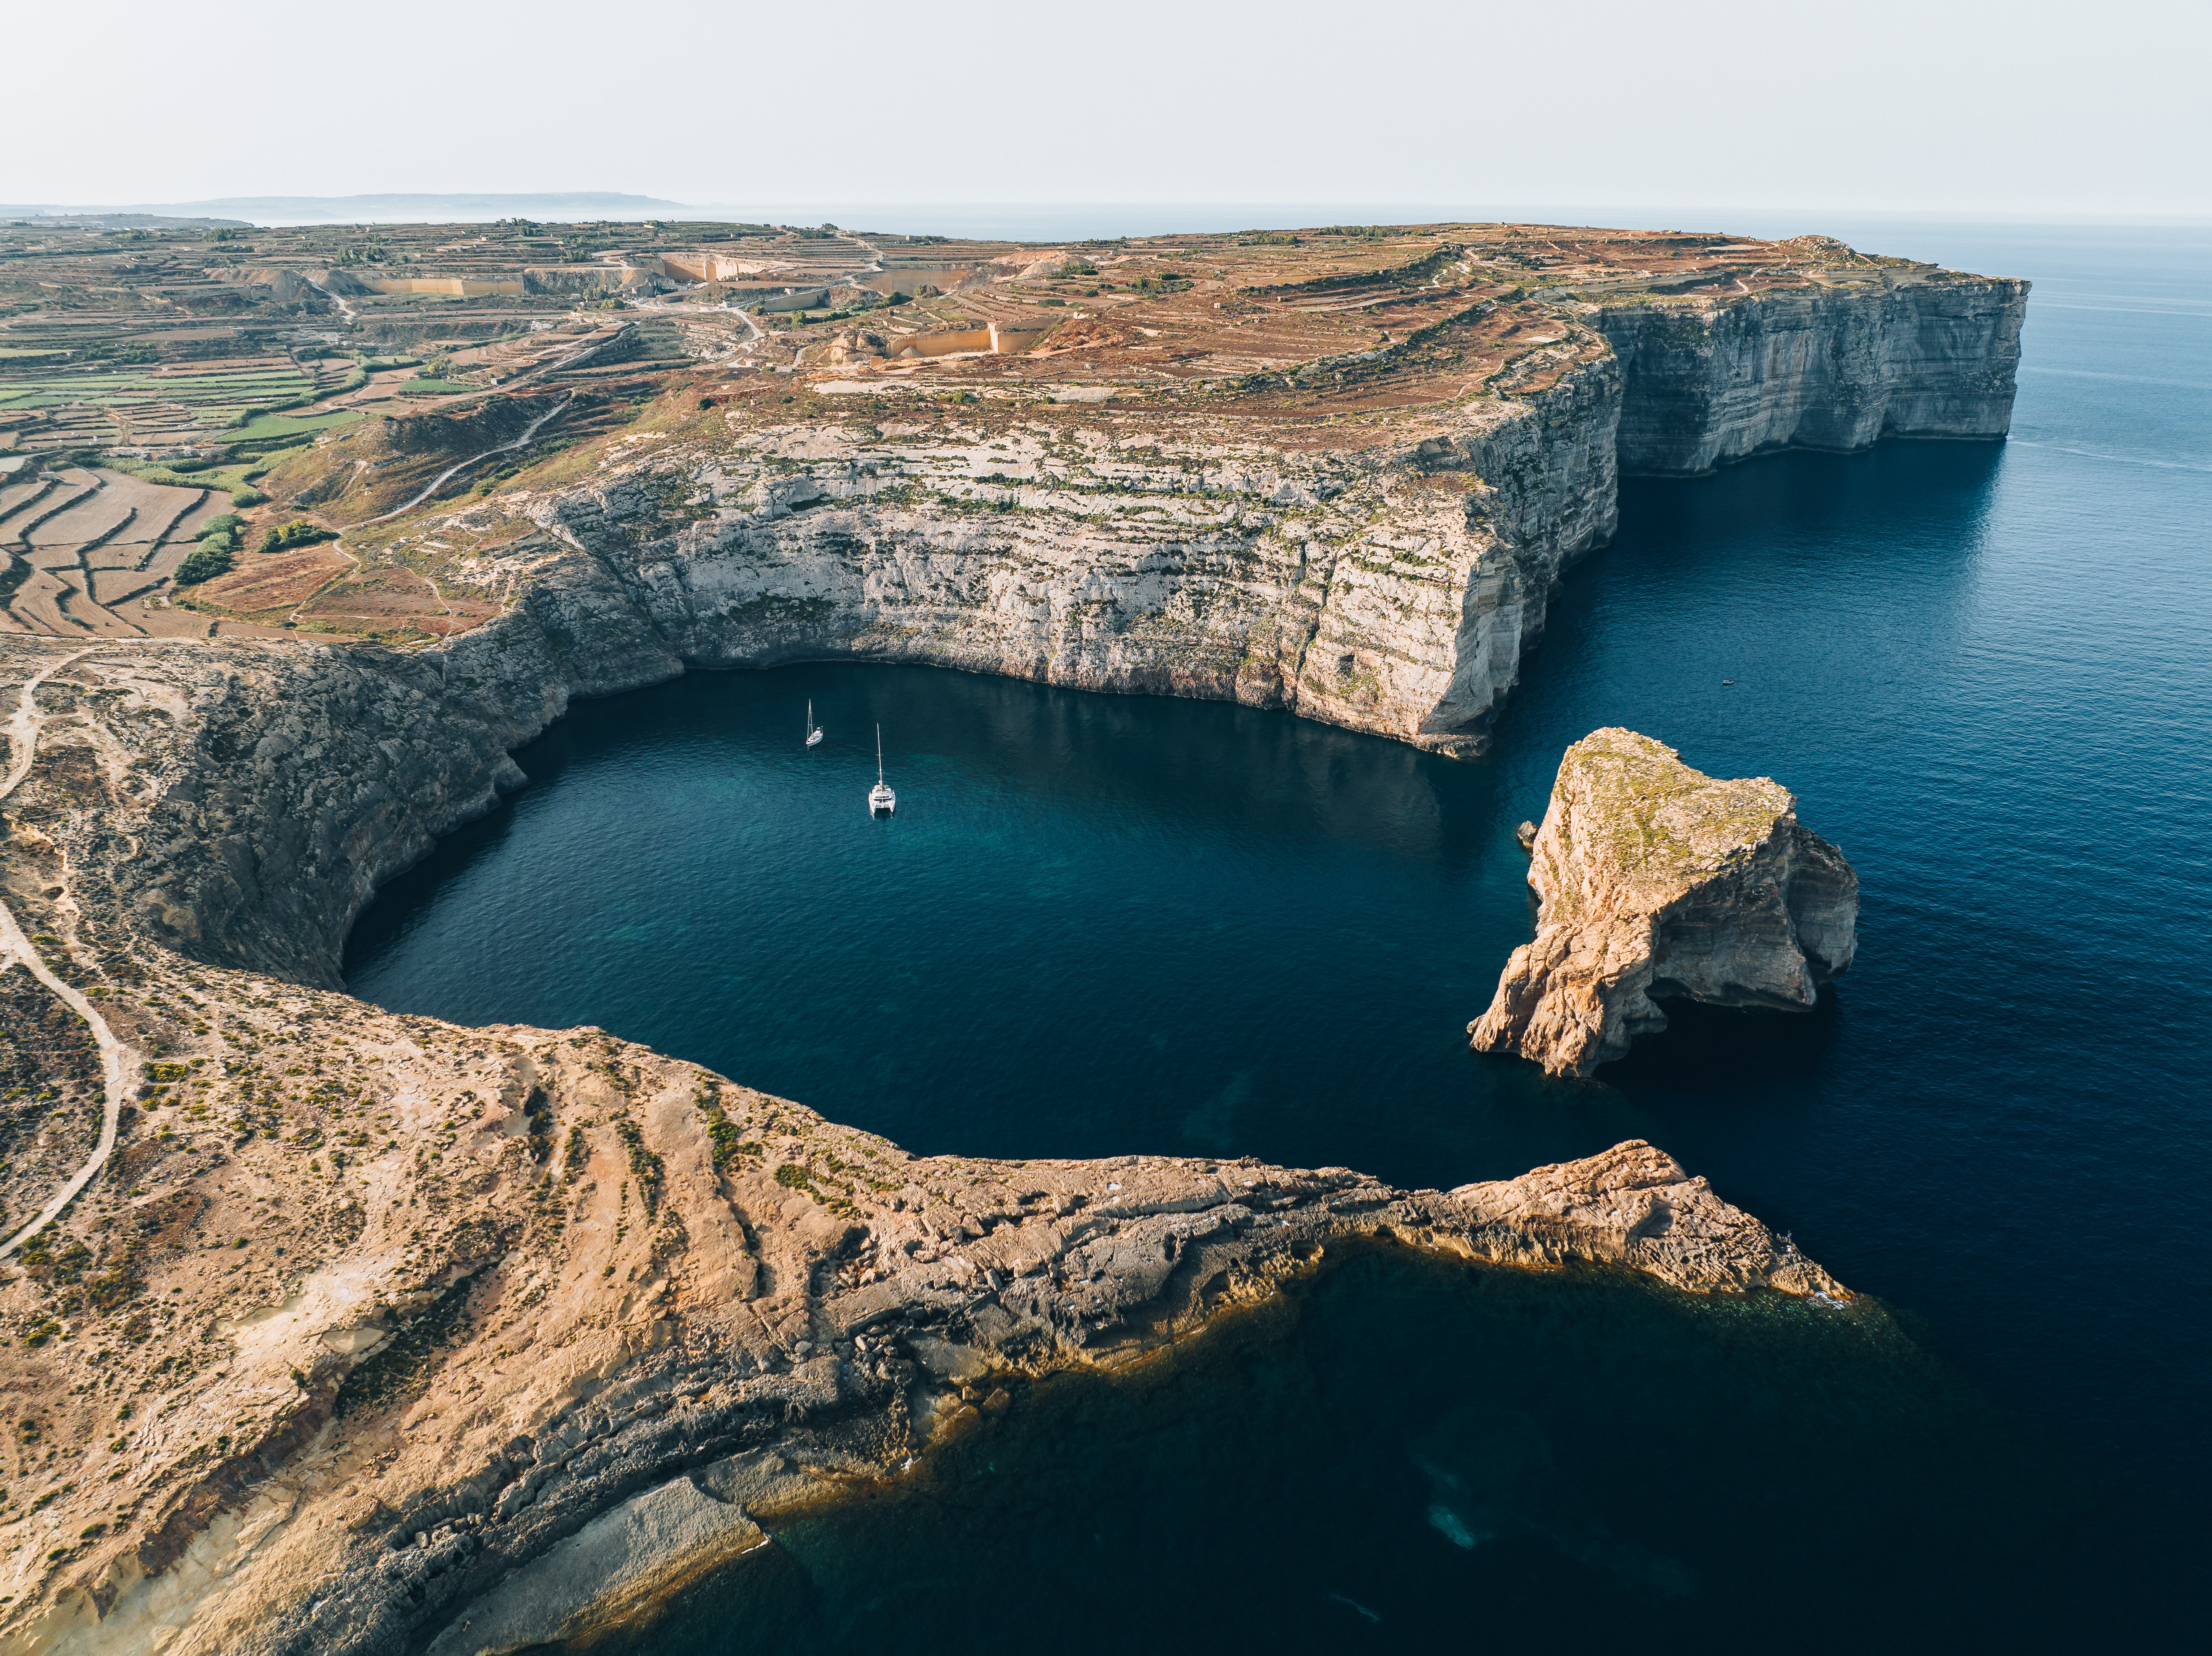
(1402, 1453)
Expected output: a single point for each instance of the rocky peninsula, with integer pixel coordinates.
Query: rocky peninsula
(1657, 882)
(353, 1316)
(366, 1312)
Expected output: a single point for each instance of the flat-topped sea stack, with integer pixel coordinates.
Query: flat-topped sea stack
(1657, 882)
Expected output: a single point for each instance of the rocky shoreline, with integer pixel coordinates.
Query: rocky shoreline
(366, 1313)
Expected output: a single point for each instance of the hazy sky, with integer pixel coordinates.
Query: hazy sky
(2018, 107)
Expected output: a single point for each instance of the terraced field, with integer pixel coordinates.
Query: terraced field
(94, 553)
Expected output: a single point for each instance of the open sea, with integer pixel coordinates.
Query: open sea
(1108, 924)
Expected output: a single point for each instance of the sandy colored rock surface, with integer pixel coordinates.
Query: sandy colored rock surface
(1655, 881)
(620, 1559)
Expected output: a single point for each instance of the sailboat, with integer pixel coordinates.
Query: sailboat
(813, 730)
(881, 800)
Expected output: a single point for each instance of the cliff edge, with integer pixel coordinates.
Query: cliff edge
(1655, 881)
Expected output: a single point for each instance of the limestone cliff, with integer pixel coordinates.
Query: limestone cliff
(1387, 586)
(1339, 481)
(1657, 882)
(1915, 352)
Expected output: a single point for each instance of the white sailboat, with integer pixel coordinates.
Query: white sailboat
(813, 730)
(881, 800)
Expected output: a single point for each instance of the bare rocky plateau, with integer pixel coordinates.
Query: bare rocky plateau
(373, 1333)
(1657, 882)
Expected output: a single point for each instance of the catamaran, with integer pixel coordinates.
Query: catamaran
(813, 730)
(881, 800)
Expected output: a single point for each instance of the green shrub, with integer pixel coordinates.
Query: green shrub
(247, 497)
(204, 562)
(295, 534)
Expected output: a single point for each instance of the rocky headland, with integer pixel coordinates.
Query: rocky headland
(1339, 476)
(365, 1312)
(1656, 882)
(356, 1315)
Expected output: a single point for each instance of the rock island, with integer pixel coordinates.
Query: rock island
(1657, 882)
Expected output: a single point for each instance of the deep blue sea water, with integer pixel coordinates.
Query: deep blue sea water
(1106, 924)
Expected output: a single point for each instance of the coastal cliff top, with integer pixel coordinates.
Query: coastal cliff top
(421, 390)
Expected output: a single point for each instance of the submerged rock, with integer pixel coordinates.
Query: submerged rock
(1659, 882)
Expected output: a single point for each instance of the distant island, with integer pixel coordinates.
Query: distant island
(350, 209)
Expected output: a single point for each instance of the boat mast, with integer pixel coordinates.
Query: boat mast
(879, 755)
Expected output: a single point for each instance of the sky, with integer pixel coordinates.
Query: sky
(2020, 109)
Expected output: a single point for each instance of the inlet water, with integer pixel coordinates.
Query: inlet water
(1103, 924)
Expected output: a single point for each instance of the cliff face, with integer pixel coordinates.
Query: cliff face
(1920, 354)
(1388, 588)
(1362, 590)
(1657, 882)
(1391, 587)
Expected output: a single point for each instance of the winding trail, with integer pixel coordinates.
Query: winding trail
(345, 309)
(438, 481)
(116, 1060)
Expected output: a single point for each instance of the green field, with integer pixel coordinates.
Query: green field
(197, 391)
(265, 426)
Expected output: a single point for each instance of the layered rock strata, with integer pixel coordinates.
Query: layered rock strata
(1389, 586)
(368, 1313)
(1351, 587)
(1656, 882)
(1932, 354)
(1338, 481)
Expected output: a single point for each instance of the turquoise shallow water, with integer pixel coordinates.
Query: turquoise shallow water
(1103, 925)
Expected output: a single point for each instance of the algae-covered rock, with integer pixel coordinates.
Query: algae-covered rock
(1658, 881)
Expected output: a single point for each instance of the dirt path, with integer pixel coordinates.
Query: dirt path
(117, 1061)
(345, 310)
(439, 482)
